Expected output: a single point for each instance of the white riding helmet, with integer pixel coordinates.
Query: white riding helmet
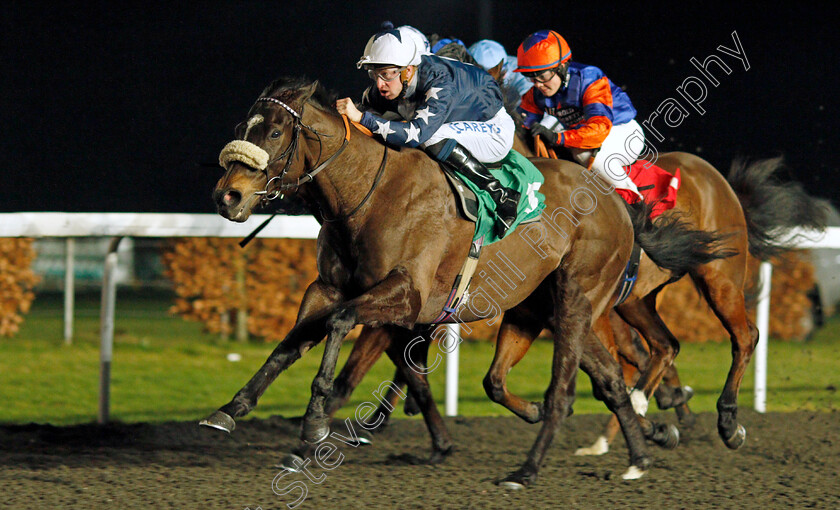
(420, 39)
(390, 48)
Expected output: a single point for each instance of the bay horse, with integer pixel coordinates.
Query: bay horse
(756, 211)
(391, 245)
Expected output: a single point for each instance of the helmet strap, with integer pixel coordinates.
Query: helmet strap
(406, 75)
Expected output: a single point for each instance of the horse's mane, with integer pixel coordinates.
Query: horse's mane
(287, 87)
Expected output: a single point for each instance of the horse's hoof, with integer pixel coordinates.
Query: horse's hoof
(439, 456)
(667, 436)
(633, 473)
(738, 438)
(291, 462)
(411, 408)
(219, 420)
(363, 439)
(686, 418)
(314, 435)
(599, 447)
(519, 479)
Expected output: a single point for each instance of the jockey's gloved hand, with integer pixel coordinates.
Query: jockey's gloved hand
(548, 135)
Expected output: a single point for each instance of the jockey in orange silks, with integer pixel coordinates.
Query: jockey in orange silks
(576, 106)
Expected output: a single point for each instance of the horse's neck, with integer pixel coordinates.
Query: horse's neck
(343, 184)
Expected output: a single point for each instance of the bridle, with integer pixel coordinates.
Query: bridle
(291, 150)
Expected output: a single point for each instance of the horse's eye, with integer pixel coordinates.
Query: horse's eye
(275, 134)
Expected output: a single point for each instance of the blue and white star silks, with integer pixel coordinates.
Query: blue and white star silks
(446, 91)
(424, 114)
(412, 133)
(383, 129)
(432, 93)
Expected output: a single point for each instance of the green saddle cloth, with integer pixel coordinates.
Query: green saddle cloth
(515, 172)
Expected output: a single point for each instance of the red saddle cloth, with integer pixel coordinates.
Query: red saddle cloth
(655, 184)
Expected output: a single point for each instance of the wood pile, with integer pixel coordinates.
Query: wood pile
(261, 287)
(16, 283)
(224, 286)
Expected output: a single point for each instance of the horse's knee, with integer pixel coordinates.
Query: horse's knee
(667, 351)
(494, 386)
(610, 390)
(321, 386)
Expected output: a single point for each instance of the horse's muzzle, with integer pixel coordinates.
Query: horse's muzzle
(226, 200)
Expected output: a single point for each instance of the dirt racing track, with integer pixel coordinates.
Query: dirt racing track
(789, 460)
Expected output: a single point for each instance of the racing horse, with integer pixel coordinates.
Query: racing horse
(390, 247)
(756, 211)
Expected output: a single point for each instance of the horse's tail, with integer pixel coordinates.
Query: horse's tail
(671, 242)
(772, 207)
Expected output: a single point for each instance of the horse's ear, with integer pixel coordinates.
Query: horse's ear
(307, 93)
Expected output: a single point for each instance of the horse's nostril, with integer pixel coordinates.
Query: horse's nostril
(229, 198)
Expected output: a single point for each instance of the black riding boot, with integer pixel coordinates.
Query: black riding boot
(460, 160)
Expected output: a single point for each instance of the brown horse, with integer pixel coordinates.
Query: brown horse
(391, 245)
(755, 210)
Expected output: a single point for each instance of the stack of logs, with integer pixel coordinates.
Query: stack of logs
(16, 283)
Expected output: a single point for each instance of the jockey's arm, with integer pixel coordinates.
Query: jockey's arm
(430, 115)
(589, 133)
(597, 111)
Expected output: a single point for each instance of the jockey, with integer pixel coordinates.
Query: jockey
(452, 110)
(576, 106)
(493, 58)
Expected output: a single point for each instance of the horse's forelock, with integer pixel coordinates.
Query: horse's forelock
(289, 89)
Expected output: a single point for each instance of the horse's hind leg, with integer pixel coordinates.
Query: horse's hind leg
(609, 387)
(726, 299)
(572, 316)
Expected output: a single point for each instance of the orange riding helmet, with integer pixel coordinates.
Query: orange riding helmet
(542, 50)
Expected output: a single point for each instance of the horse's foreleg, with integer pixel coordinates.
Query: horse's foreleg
(367, 349)
(629, 353)
(307, 332)
(392, 301)
(572, 316)
(516, 334)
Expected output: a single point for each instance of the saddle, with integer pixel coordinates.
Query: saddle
(466, 199)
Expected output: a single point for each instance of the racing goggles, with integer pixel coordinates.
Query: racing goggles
(386, 74)
(541, 76)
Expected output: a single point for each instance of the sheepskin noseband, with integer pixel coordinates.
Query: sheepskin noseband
(244, 152)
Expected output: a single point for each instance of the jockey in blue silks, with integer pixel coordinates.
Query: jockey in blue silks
(453, 111)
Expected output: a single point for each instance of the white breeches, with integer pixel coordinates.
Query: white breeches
(487, 141)
(621, 148)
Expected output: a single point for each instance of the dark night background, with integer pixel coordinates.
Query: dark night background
(125, 108)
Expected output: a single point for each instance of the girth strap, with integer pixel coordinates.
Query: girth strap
(462, 282)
